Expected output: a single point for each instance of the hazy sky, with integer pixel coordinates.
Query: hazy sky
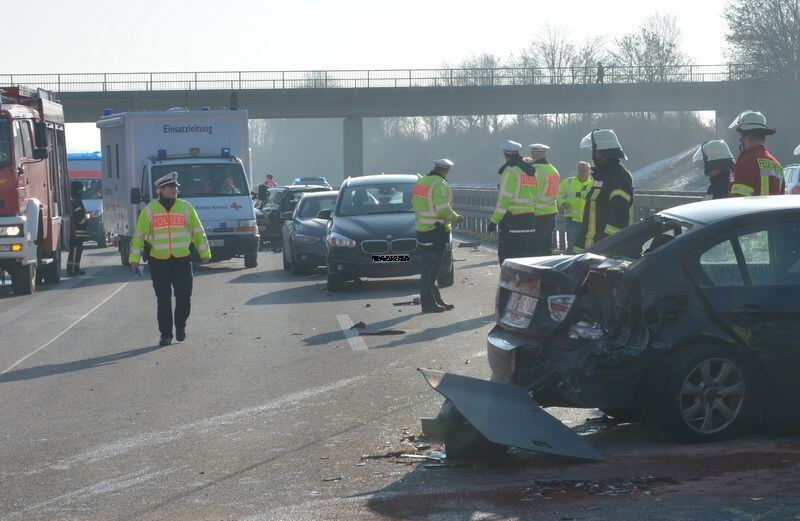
(184, 35)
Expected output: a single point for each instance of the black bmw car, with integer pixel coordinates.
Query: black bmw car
(304, 233)
(371, 232)
(690, 318)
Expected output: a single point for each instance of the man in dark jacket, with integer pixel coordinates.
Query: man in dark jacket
(717, 162)
(79, 229)
(609, 204)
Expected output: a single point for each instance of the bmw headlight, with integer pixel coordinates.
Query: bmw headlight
(14, 230)
(306, 239)
(340, 241)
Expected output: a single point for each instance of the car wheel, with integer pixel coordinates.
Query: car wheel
(707, 395)
(335, 282)
(447, 279)
(251, 260)
(286, 264)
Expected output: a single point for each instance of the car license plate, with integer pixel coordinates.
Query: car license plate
(216, 242)
(519, 310)
(391, 258)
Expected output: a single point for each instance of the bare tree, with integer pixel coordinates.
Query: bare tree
(763, 36)
(651, 54)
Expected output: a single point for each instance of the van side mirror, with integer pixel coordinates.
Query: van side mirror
(40, 135)
(40, 153)
(324, 214)
(136, 196)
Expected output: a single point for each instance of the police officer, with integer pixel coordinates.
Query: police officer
(717, 162)
(572, 199)
(79, 229)
(516, 199)
(170, 225)
(434, 218)
(548, 181)
(609, 204)
(756, 171)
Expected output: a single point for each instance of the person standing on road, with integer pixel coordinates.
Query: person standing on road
(170, 225)
(717, 162)
(79, 229)
(756, 171)
(270, 181)
(548, 182)
(572, 199)
(516, 199)
(609, 204)
(433, 219)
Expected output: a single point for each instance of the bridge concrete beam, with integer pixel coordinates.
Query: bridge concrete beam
(353, 142)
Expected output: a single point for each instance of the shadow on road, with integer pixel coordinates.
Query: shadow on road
(42, 371)
(485, 264)
(402, 289)
(436, 333)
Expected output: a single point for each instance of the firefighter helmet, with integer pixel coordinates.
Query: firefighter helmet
(797, 151)
(752, 122)
(602, 139)
(712, 151)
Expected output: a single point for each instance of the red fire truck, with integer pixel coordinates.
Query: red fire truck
(33, 177)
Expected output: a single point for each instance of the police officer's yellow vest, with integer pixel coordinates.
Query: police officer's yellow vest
(548, 184)
(169, 233)
(433, 204)
(573, 192)
(517, 193)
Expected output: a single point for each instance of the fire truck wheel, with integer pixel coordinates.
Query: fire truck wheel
(23, 279)
(51, 273)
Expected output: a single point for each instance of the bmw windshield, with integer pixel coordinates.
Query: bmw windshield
(368, 199)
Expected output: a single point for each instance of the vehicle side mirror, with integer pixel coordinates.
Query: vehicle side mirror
(40, 153)
(324, 214)
(286, 216)
(136, 196)
(40, 135)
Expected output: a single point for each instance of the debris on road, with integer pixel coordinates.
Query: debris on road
(358, 325)
(469, 244)
(383, 332)
(334, 478)
(412, 302)
(367, 305)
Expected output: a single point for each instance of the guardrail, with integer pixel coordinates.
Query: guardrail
(477, 205)
(381, 78)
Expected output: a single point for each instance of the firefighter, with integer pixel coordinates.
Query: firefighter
(170, 225)
(548, 181)
(516, 199)
(572, 199)
(79, 229)
(717, 162)
(609, 204)
(434, 218)
(756, 171)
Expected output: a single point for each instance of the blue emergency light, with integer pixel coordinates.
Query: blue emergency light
(162, 153)
(226, 152)
(108, 112)
(205, 109)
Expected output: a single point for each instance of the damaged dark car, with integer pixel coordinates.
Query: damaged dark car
(689, 318)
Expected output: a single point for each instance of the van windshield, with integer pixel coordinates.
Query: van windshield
(206, 179)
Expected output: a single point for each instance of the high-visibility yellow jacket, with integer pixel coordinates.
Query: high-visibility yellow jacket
(433, 204)
(517, 192)
(548, 182)
(169, 232)
(573, 192)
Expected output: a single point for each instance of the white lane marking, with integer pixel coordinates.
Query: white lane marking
(103, 487)
(121, 447)
(356, 342)
(15, 364)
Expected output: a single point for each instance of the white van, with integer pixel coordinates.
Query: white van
(209, 150)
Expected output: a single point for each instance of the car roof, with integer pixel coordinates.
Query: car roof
(323, 193)
(381, 179)
(706, 212)
(303, 188)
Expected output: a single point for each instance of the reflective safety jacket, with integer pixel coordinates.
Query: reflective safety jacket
(609, 205)
(757, 172)
(433, 204)
(79, 218)
(169, 232)
(517, 192)
(548, 183)
(573, 193)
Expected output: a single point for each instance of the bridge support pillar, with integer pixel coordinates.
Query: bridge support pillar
(353, 141)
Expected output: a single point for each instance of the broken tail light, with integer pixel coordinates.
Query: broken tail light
(559, 306)
(587, 331)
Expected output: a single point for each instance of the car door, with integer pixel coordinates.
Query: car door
(751, 278)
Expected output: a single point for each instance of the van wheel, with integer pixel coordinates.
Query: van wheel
(250, 260)
(23, 279)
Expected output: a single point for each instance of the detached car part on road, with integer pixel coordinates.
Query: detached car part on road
(690, 318)
(371, 232)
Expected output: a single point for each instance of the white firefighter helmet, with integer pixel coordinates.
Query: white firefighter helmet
(511, 147)
(712, 151)
(797, 151)
(602, 139)
(751, 121)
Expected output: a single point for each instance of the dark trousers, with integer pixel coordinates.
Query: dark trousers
(168, 275)
(75, 252)
(573, 229)
(432, 244)
(515, 232)
(541, 243)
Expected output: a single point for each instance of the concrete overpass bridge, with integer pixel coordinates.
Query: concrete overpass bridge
(351, 95)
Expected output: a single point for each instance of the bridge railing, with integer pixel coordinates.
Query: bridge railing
(477, 205)
(383, 78)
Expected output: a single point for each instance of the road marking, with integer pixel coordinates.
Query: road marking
(353, 338)
(15, 364)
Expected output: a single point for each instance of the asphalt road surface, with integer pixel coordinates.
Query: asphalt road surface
(268, 408)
